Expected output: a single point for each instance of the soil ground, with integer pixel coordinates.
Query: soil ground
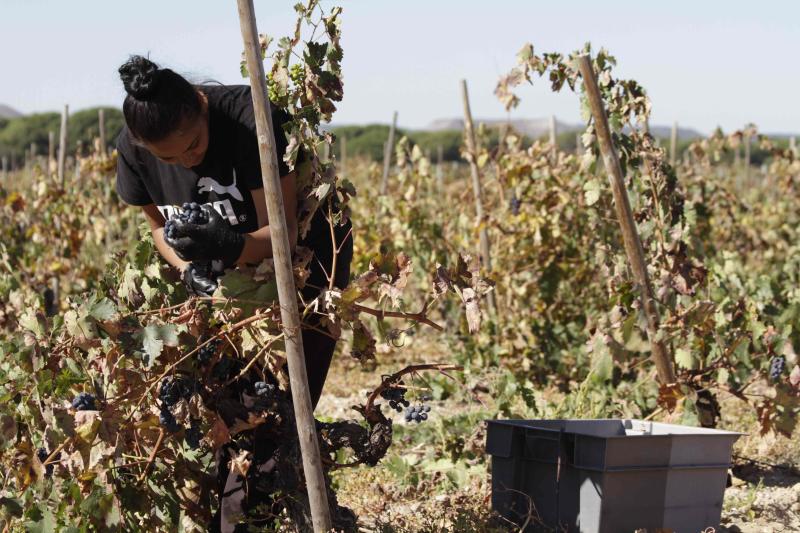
(415, 490)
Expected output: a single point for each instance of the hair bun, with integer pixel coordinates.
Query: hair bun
(140, 77)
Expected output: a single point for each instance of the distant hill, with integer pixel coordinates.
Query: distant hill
(8, 112)
(538, 127)
(18, 133)
(532, 127)
(683, 133)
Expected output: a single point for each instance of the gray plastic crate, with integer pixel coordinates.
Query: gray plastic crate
(609, 476)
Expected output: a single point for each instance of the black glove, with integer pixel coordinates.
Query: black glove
(200, 278)
(204, 242)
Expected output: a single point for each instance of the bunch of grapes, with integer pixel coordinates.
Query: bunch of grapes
(42, 454)
(167, 419)
(189, 213)
(417, 413)
(514, 204)
(84, 402)
(396, 395)
(193, 435)
(264, 389)
(172, 390)
(297, 73)
(776, 367)
(208, 351)
(272, 88)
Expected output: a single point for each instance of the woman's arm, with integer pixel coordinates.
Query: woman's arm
(156, 222)
(258, 244)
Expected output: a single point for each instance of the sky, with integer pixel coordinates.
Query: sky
(704, 63)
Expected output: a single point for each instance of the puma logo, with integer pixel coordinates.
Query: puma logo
(207, 184)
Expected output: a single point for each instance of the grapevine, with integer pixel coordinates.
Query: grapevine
(118, 391)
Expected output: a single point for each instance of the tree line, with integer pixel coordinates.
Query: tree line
(18, 134)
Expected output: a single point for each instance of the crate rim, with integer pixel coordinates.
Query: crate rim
(705, 432)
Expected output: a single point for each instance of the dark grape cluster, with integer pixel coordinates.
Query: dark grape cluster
(193, 435)
(167, 420)
(417, 413)
(173, 389)
(84, 402)
(207, 352)
(264, 389)
(42, 454)
(189, 213)
(396, 396)
(514, 204)
(776, 367)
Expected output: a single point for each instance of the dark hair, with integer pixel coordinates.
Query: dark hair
(158, 99)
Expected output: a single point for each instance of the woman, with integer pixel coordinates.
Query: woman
(187, 143)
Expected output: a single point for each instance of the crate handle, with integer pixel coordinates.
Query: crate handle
(542, 449)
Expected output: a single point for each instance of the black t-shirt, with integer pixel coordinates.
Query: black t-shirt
(230, 169)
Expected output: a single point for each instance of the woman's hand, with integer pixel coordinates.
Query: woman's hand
(205, 242)
(200, 279)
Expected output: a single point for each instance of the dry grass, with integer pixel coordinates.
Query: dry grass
(390, 500)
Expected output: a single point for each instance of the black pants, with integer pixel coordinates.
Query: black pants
(318, 346)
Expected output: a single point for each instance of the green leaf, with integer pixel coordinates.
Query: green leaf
(586, 109)
(363, 342)
(103, 310)
(154, 337)
(316, 53)
(79, 325)
(525, 53)
(684, 358)
(11, 506)
(591, 191)
(46, 525)
(236, 284)
(29, 322)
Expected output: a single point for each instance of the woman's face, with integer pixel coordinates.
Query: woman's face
(187, 145)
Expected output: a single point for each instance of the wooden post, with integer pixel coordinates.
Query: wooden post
(553, 141)
(633, 245)
(439, 170)
(287, 292)
(62, 145)
(33, 155)
(51, 151)
(76, 169)
(472, 148)
(101, 119)
(387, 155)
(793, 145)
(673, 144)
(578, 145)
(343, 156)
(5, 170)
(747, 141)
